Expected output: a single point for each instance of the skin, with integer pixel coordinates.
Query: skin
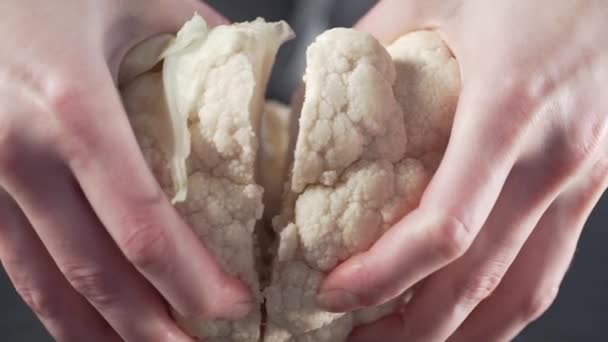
(502, 221)
(79, 209)
(496, 230)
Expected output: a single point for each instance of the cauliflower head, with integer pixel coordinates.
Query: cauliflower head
(334, 172)
(374, 124)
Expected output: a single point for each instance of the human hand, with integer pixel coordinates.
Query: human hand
(527, 160)
(87, 236)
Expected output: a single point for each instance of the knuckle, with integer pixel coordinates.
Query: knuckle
(581, 142)
(538, 303)
(505, 135)
(146, 245)
(578, 151)
(478, 288)
(76, 135)
(454, 238)
(93, 283)
(42, 304)
(66, 99)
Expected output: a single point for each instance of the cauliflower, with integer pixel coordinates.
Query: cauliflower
(201, 117)
(373, 124)
(427, 89)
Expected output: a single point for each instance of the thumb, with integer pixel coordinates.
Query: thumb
(154, 25)
(391, 19)
(451, 213)
(170, 15)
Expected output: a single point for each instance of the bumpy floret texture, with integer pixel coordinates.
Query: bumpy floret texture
(373, 126)
(349, 112)
(427, 89)
(356, 170)
(185, 122)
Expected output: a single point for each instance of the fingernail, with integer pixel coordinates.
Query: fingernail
(338, 300)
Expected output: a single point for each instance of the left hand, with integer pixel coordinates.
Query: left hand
(527, 161)
(87, 236)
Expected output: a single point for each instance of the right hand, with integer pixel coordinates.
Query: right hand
(495, 231)
(87, 236)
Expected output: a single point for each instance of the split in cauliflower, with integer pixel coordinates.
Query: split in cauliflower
(373, 125)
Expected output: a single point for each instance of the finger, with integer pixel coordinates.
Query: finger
(106, 160)
(66, 315)
(448, 296)
(173, 16)
(451, 213)
(532, 283)
(390, 19)
(86, 255)
(158, 18)
(167, 16)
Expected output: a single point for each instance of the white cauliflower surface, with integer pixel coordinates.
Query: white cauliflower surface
(198, 124)
(373, 125)
(356, 170)
(427, 89)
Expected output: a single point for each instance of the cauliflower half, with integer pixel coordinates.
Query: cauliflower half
(197, 122)
(373, 125)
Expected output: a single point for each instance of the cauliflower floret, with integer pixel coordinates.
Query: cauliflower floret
(201, 116)
(356, 171)
(216, 80)
(427, 88)
(349, 112)
(337, 222)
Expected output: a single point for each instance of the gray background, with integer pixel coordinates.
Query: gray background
(581, 310)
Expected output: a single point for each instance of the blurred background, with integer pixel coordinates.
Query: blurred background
(581, 310)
